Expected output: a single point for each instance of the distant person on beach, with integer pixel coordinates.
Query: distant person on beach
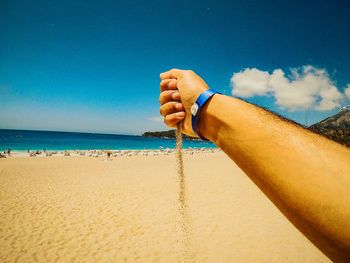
(304, 174)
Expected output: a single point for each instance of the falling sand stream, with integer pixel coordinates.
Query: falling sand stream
(182, 200)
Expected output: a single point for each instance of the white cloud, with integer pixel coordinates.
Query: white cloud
(347, 92)
(304, 88)
(251, 82)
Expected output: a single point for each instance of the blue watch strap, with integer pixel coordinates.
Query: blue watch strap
(196, 108)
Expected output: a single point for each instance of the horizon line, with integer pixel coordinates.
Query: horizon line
(98, 133)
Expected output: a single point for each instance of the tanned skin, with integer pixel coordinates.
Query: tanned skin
(304, 174)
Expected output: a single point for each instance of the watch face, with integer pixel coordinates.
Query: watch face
(194, 109)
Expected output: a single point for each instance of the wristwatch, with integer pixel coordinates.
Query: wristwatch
(196, 108)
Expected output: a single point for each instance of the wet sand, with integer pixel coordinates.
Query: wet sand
(81, 209)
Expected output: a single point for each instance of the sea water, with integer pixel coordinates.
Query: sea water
(23, 140)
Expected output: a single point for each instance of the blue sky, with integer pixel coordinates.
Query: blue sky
(94, 65)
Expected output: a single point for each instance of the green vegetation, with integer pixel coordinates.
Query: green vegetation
(336, 128)
(166, 134)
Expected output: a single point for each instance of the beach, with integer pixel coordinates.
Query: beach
(82, 208)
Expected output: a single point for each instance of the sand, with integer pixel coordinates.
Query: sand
(81, 209)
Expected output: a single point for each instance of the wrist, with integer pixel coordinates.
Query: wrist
(207, 121)
(220, 118)
(197, 106)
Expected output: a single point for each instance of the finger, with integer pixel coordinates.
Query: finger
(172, 84)
(168, 84)
(168, 95)
(170, 107)
(172, 74)
(172, 119)
(164, 84)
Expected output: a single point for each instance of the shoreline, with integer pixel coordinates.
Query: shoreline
(104, 153)
(33, 141)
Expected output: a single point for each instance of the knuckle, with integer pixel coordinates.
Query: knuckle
(167, 120)
(163, 97)
(167, 97)
(166, 108)
(164, 82)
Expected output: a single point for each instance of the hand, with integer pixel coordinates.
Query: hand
(179, 90)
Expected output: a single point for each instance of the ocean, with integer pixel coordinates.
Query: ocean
(23, 140)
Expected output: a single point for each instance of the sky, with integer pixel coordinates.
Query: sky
(93, 66)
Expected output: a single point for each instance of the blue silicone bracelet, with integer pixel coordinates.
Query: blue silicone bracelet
(196, 108)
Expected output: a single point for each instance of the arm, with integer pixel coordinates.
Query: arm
(305, 175)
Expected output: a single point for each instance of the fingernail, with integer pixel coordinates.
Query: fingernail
(175, 95)
(178, 106)
(180, 114)
(170, 84)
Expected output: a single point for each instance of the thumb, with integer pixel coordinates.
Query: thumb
(172, 74)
